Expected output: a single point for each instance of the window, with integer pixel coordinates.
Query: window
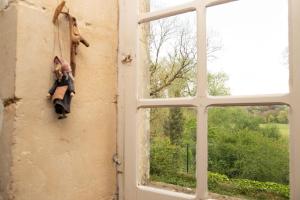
(274, 82)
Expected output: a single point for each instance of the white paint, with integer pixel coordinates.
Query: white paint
(254, 40)
(129, 101)
(161, 4)
(294, 29)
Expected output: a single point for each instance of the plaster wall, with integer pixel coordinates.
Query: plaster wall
(1, 116)
(68, 159)
(8, 35)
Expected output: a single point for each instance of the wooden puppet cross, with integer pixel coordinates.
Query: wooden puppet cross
(75, 37)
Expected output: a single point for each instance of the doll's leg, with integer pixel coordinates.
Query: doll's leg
(63, 115)
(60, 111)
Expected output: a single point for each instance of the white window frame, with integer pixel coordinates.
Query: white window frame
(129, 101)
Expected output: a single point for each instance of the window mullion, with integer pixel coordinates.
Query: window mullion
(246, 100)
(202, 153)
(176, 10)
(201, 52)
(209, 3)
(295, 97)
(183, 102)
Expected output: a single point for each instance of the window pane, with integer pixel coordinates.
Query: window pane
(154, 5)
(248, 152)
(168, 148)
(168, 57)
(247, 48)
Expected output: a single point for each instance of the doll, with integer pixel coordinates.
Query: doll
(62, 90)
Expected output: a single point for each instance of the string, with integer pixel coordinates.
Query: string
(57, 39)
(54, 42)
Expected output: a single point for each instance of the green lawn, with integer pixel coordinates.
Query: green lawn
(283, 128)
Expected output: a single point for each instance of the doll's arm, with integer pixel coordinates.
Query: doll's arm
(71, 87)
(53, 88)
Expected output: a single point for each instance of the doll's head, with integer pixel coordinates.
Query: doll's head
(62, 67)
(66, 69)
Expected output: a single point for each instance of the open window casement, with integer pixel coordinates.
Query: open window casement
(135, 98)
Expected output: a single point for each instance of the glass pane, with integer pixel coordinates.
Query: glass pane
(248, 152)
(247, 48)
(168, 57)
(168, 148)
(154, 5)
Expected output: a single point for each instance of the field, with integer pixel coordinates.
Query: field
(283, 128)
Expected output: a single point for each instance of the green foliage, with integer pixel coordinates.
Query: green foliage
(180, 179)
(221, 184)
(164, 157)
(260, 190)
(232, 119)
(271, 114)
(242, 145)
(282, 117)
(214, 179)
(245, 158)
(240, 148)
(271, 131)
(174, 125)
(217, 84)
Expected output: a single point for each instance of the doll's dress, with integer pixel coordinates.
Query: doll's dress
(61, 94)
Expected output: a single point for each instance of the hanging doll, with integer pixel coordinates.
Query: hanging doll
(62, 90)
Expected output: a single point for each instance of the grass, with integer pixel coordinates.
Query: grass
(283, 128)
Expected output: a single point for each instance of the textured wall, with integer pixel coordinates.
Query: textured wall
(8, 35)
(69, 159)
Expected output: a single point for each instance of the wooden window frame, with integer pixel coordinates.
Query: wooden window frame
(129, 100)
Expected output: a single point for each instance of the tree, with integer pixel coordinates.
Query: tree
(216, 84)
(240, 148)
(173, 59)
(174, 125)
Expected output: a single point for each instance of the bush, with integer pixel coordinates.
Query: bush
(221, 184)
(241, 148)
(164, 157)
(261, 190)
(271, 131)
(179, 179)
(214, 179)
(255, 188)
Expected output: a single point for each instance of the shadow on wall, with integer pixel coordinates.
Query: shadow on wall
(1, 120)
(3, 4)
(1, 117)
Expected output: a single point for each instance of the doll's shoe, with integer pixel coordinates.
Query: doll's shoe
(62, 117)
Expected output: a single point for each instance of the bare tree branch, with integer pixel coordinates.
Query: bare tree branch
(174, 56)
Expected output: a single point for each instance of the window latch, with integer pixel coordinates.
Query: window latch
(126, 59)
(116, 160)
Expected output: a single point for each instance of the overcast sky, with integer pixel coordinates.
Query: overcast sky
(254, 38)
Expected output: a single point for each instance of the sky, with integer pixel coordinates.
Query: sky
(254, 39)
